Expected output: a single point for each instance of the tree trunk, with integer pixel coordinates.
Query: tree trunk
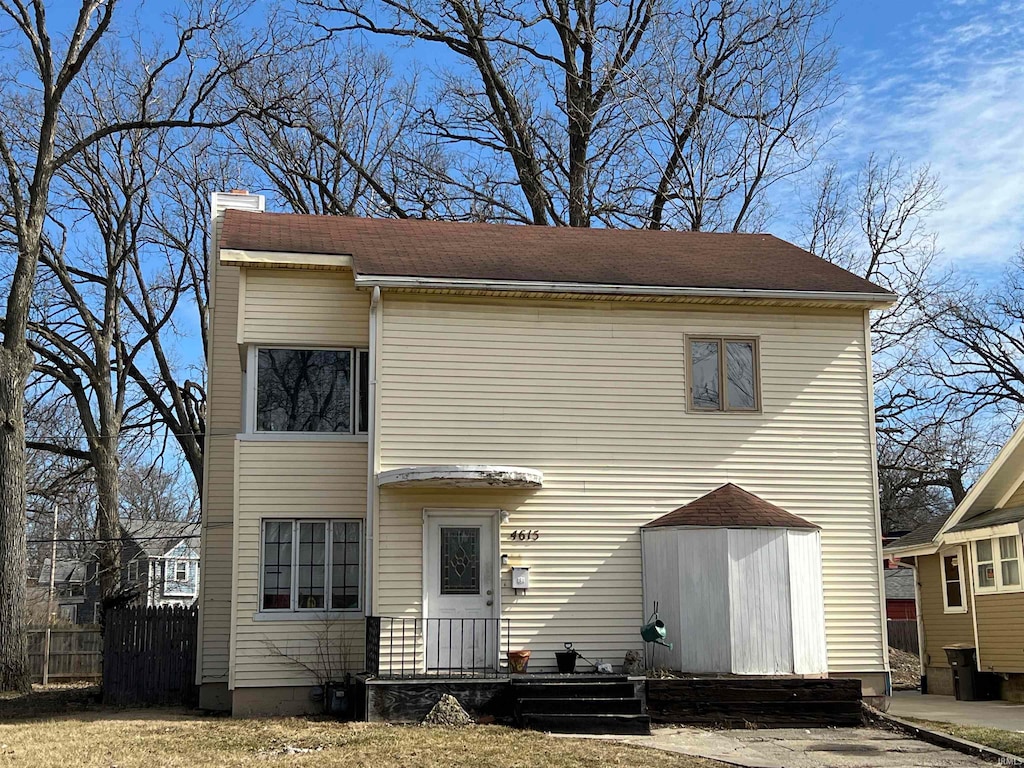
(15, 366)
(105, 465)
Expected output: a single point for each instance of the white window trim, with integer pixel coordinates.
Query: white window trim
(959, 555)
(723, 384)
(184, 578)
(293, 612)
(249, 400)
(996, 560)
(133, 565)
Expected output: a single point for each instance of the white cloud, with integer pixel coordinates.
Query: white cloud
(951, 95)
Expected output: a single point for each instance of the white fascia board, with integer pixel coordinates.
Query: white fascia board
(988, 532)
(245, 258)
(873, 300)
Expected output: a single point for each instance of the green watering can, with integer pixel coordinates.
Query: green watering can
(654, 630)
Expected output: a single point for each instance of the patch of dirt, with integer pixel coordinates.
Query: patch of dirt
(448, 713)
(906, 670)
(45, 701)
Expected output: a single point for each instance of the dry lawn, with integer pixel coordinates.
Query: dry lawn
(168, 739)
(1006, 741)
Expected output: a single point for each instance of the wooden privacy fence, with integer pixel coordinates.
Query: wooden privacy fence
(903, 635)
(149, 656)
(76, 653)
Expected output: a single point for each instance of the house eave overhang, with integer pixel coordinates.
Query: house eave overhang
(236, 257)
(866, 300)
(461, 476)
(984, 532)
(914, 550)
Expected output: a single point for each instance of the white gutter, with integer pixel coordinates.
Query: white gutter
(371, 449)
(922, 650)
(537, 286)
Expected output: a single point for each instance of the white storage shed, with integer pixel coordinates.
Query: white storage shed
(738, 584)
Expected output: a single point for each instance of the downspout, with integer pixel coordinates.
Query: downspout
(967, 553)
(371, 448)
(922, 650)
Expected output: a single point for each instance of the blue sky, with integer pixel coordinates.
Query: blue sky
(942, 83)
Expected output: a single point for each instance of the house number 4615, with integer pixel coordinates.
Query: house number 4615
(522, 535)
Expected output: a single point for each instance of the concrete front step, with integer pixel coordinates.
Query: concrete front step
(580, 706)
(602, 723)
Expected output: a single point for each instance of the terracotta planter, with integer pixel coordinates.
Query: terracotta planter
(518, 661)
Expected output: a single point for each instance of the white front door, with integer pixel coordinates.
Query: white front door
(461, 585)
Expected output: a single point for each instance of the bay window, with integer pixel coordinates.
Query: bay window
(311, 565)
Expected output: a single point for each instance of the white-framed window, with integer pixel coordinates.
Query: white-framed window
(68, 613)
(997, 564)
(133, 571)
(723, 374)
(952, 582)
(311, 565)
(321, 391)
(181, 570)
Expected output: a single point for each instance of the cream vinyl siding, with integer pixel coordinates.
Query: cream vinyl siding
(594, 394)
(224, 420)
(287, 480)
(304, 308)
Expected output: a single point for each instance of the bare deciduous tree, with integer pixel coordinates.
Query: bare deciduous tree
(628, 113)
(171, 85)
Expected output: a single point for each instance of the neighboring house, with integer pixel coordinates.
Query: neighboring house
(69, 594)
(971, 579)
(159, 562)
(413, 420)
(900, 603)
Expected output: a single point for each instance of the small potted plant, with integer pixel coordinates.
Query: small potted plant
(518, 661)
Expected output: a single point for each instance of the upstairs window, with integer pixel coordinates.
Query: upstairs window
(998, 563)
(181, 570)
(952, 584)
(311, 390)
(723, 374)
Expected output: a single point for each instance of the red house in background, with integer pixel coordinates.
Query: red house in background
(899, 594)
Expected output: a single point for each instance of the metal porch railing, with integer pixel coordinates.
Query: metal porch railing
(404, 648)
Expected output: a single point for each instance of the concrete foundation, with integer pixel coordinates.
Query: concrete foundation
(940, 681)
(284, 700)
(1012, 688)
(215, 697)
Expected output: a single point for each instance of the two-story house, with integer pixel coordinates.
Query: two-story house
(159, 566)
(415, 425)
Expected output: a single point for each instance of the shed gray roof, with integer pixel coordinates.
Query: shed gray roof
(899, 584)
(992, 517)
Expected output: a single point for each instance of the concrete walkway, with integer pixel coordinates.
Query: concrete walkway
(946, 709)
(805, 748)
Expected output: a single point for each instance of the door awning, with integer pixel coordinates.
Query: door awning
(461, 476)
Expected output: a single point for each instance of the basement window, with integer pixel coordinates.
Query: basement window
(723, 374)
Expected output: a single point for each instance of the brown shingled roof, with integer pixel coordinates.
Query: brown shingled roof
(731, 507)
(440, 249)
